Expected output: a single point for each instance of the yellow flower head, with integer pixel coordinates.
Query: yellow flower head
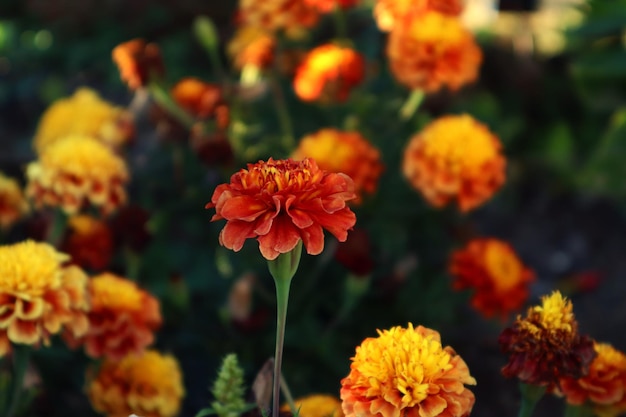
(293, 17)
(317, 405)
(89, 241)
(407, 372)
(388, 13)
(77, 171)
(148, 385)
(252, 46)
(13, 205)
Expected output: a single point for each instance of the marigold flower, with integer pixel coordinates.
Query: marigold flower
(388, 12)
(432, 52)
(545, 345)
(201, 99)
(84, 113)
(492, 269)
(252, 46)
(407, 372)
(455, 158)
(123, 318)
(316, 405)
(329, 73)
(347, 152)
(38, 296)
(89, 242)
(13, 204)
(77, 171)
(280, 202)
(274, 15)
(148, 385)
(327, 6)
(356, 253)
(138, 62)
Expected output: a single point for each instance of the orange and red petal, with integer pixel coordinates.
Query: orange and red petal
(235, 233)
(281, 238)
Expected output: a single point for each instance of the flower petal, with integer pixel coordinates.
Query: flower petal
(235, 233)
(281, 238)
(243, 207)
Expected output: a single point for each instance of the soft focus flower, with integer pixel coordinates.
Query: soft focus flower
(13, 204)
(316, 405)
(280, 202)
(545, 345)
(432, 52)
(388, 12)
(138, 62)
(88, 241)
(252, 46)
(493, 271)
(212, 148)
(201, 99)
(38, 296)
(274, 15)
(329, 73)
(84, 113)
(327, 6)
(455, 158)
(77, 171)
(123, 318)
(149, 385)
(407, 372)
(347, 152)
(356, 253)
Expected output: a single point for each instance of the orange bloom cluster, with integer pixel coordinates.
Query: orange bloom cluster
(433, 52)
(329, 73)
(545, 346)
(316, 405)
(123, 318)
(76, 171)
(138, 62)
(203, 100)
(604, 386)
(280, 202)
(13, 204)
(455, 158)
(492, 269)
(147, 385)
(89, 242)
(348, 152)
(388, 13)
(326, 6)
(292, 16)
(407, 372)
(38, 296)
(252, 46)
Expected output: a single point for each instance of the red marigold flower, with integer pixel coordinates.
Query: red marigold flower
(545, 346)
(273, 15)
(432, 52)
(201, 99)
(13, 204)
(329, 73)
(130, 227)
(88, 241)
(253, 46)
(280, 202)
(455, 158)
(407, 372)
(356, 253)
(138, 62)
(327, 6)
(388, 12)
(498, 277)
(347, 152)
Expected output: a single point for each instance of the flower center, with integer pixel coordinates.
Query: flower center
(503, 267)
(110, 291)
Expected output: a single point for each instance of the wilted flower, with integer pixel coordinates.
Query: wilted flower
(273, 15)
(316, 405)
(432, 52)
(280, 202)
(347, 152)
(13, 204)
(149, 385)
(327, 6)
(138, 62)
(407, 372)
(252, 46)
(38, 296)
(389, 12)
(77, 171)
(84, 113)
(545, 345)
(88, 241)
(201, 99)
(493, 271)
(455, 158)
(329, 73)
(123, 318)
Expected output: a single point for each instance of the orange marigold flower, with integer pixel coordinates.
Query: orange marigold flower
(328, 73)
(316, 405)
(148, 385)
(138, 62)
(280, 202)
(407, 372)
(347, 152)
(123, 318)
(84, 113)
(38, 296)
(273, 15)
(545, 345)
(388, 12)
(492, 269)
(77, 171)
(252, 46)
(432, 52)
(201, 99)
(327, 6)
(89, 242)
(455, 158)
(13, 204)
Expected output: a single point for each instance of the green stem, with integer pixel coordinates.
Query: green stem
(284, 119)
(133, 263)
(287, 393)
(57, 228)
(583, 410)
(163, 99)
(412, 104)
(531, 394)
(21, 354)
(340, 21)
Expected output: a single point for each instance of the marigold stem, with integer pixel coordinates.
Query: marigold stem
(531, 394)
(287, 393)
(572, 410)
(21, 355)
(57, 227)
(163, 99)
(411, 105)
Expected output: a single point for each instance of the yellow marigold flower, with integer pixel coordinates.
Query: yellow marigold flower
(545, 345)
(13, 204)
(89, 241)
(407, 372)
(433, 52)
(455, 158)
(347, 152)
(123, 318)
(38, 296)
(252, 46)
(148, 385)
(388, 12)
(85, 113)
(274, 15)
(77, 171)
(317, 405)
